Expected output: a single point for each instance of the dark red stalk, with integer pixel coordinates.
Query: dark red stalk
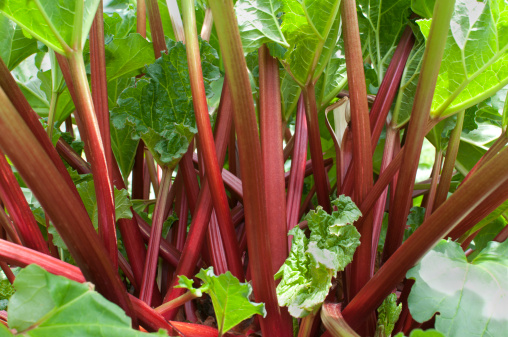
(417, 125)
(8, 272)
(127, 270)
(13, 92)
(138, 172)
(206, 143)
(249, 149)
(156, 30)
(61, 204)
(152, 255)
(17, 206)
(273, 156)
(215, 245)
(449, 163)
(362, 152)
(298, 161)
(463, 202)
(384, 98)
(316, 151)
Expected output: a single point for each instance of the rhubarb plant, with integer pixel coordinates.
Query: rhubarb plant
(143, 140)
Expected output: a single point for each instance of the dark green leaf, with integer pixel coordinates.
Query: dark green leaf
(160, 107)
(469, 297)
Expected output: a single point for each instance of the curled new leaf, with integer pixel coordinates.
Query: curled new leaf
(312, 263)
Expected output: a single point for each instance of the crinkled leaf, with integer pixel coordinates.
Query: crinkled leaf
(185, 283)
(475, 61)
(312, 263)
(120, 24)
(388, 315)
(424, 8)
(421, 333)
(470, 298)
(14, 45)
(230, 298)
(57, 14)
(123, 205)
(127, 55)
(384, 22)
(50, 305)
(346, 214)
(409, 81)
(258, 23)
(159, 106)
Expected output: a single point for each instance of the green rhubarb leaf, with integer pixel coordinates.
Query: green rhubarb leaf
(258, 23)
(383, 24)
(120, 24)
(334, 77)
(289, 94)
(421, 333)
(424, 8)
(487, 233)
(53, 22)
(230, 298)
(309, 52)
(388, 315)
(475, 61)
(185, 283)
(14, 45)
(312, 263)
(159, 106)
(409, 81)
(128, 55)
(48, 305)
(469, 298)
(123, 204)
(414, 220)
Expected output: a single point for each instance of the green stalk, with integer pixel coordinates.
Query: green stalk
(417, 126)
(449, 163)
(61, 204)
(207, 144)
(177, 302)
(306, 325)
(95, 153)
(256, 221)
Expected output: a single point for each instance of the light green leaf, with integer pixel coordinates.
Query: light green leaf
(388, 315)
(384, 22)
(52, 22)
(346, 214)
(424, 8)
(421, 333)
(127, 55)
(309, 52)
(50, 305)
(120, 24)
(258, 23)
(475, 61)
(321, 15)
(230, 298)
(86, 191)
(469, 297)
(14, 45)
(312, 263)
(185, 283)
(334, 77)
(159, 106)
(289, 94)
